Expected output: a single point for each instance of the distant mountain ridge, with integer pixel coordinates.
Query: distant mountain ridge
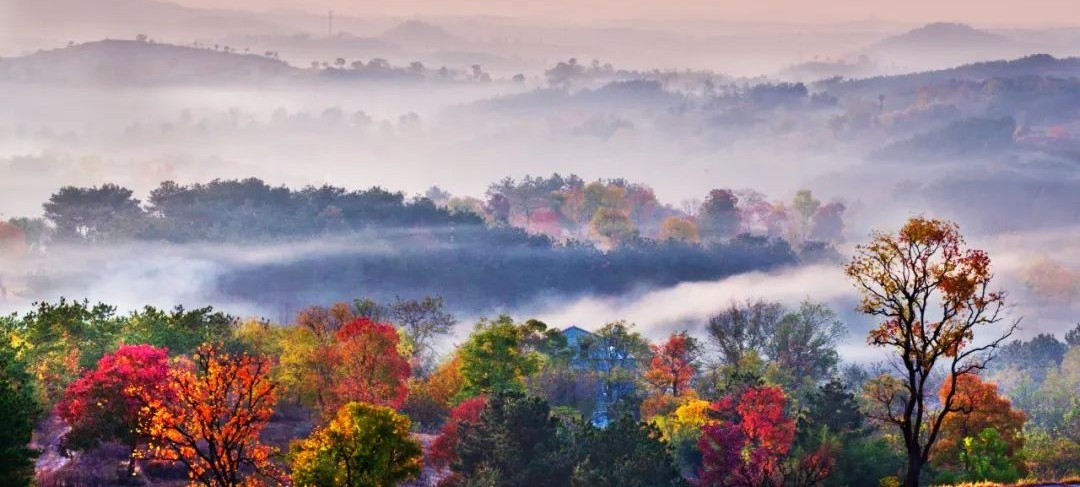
(941, 45)
(134, 62)
(939, 34)
(1043, 65)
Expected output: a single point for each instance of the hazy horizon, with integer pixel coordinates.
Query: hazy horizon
(1042, 13)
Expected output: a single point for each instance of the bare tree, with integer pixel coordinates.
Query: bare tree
(423, 321)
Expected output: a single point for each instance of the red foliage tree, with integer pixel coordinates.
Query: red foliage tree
(444, 449)
(750, 443)
(368, 366)
(672, 366)
(106, 404)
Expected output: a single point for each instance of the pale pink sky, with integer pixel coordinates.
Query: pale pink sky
(999, 12)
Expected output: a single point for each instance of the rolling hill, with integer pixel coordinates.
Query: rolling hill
(140, 62)
(941, 45)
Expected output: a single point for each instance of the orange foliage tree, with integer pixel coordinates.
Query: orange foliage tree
(979, 406)
(223, 401)
(307, 370)
(669, 374)
(12, 241)
(932, 294)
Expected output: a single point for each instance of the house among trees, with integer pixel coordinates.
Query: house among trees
(611, 356)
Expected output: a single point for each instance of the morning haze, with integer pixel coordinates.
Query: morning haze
(623, 214)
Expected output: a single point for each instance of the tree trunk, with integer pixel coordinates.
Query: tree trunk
(914, 468)
(131, 461)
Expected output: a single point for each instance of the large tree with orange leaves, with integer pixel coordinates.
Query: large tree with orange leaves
(223, 401)
(979, 406)
(932, 293)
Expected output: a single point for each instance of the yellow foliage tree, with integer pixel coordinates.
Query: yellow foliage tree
(364, 445)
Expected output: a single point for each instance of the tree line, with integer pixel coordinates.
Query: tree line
(343, 394)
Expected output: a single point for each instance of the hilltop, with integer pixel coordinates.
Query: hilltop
(1037, 65)
(141, 62)
(941, 45)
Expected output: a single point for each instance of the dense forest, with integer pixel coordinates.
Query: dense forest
(529, 238)
(358, 393)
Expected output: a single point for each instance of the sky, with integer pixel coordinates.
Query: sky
(997, 12)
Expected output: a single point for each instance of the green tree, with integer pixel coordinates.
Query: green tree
(364, 445)
(516, 442)
(718, 216)
(93, 214)
(624, 453)
(65, 338)
(496, 358)
(181, 331)
(986, 457)
(615, 354)
(20, 411)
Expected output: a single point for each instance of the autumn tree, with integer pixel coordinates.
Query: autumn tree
(20, 411)
(223, 402)
(744, 328)
(13, 243)
(802, 348)
(805, 206)
(107, 403)
(932, 293)
(641, 204)
(670, 371)
(443, 451)
(749, 443)
(431, 398)
(611, 226)
(679, 229)
(363, 445)
(979, 407)
(682, 429)
(368, 366)
(307, 369)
